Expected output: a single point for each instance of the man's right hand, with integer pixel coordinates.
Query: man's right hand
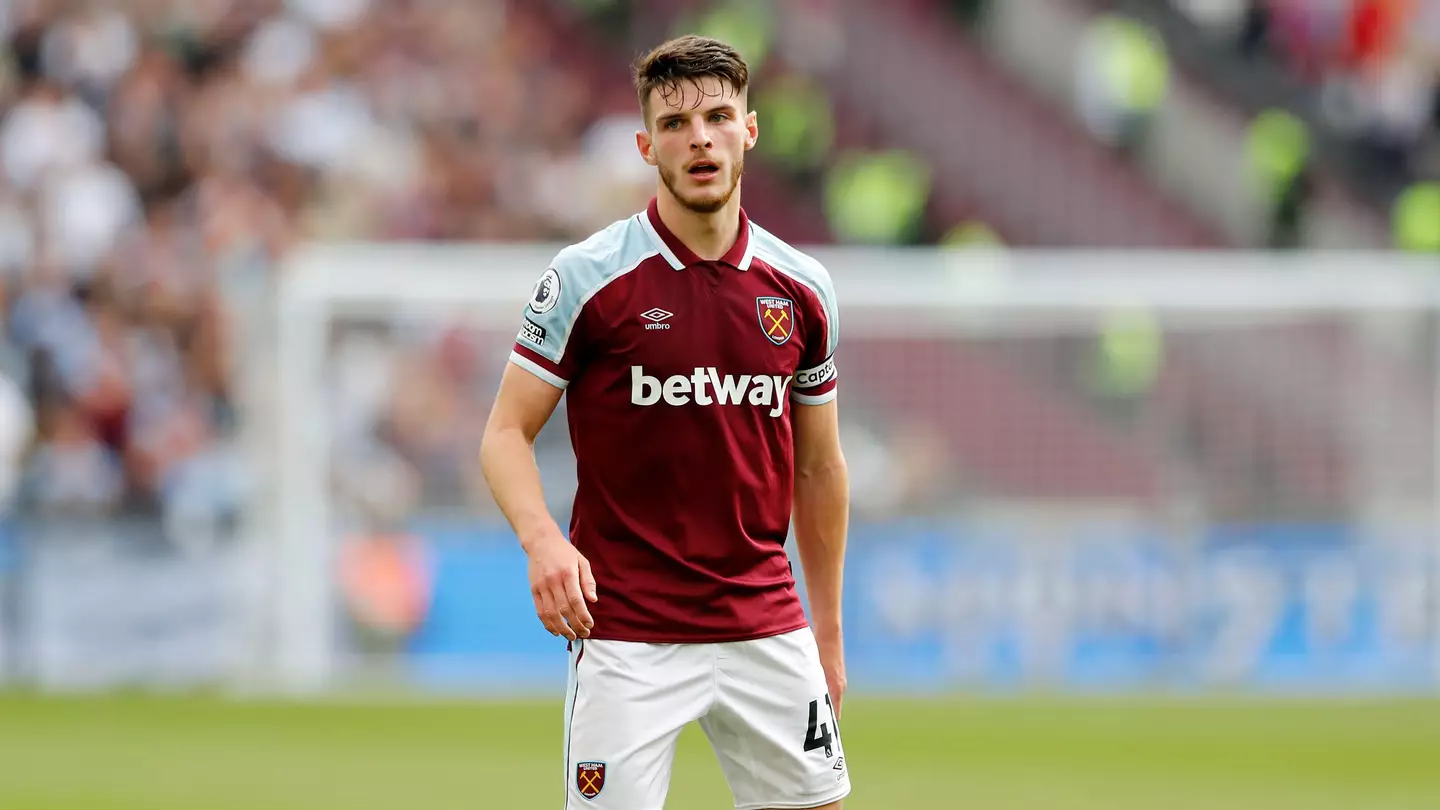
(561, 583)
(560, 578)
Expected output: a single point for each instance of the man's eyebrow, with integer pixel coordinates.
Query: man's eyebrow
(724, 106)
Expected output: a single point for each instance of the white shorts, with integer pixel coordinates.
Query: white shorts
(763, 704)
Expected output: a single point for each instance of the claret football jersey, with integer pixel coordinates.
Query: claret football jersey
(681, 375)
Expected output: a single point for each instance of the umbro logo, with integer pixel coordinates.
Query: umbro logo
(656, 316)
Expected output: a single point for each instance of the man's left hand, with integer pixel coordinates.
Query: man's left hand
(833, 662)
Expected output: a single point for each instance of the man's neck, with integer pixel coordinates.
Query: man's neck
(710, 236)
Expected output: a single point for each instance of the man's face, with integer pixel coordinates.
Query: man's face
(697, 135)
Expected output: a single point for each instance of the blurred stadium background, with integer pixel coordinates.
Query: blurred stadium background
(1140, 362)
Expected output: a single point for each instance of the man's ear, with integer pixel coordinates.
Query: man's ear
(752, 129)
(646, 145)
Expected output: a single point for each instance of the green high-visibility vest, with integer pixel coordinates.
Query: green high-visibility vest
(1277, 147)
(1134, 62)
(877, 198)
(1415, 218)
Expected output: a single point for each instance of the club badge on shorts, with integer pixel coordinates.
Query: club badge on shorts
(590, 778)
(775, 318)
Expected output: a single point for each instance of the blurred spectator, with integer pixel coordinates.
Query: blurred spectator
(798, 125)
(1122, 77)
(1278, 160)
(1128, 356)
(387, 585)
(1416, 218)
(72, 472)
(47, 129)
(878, 198)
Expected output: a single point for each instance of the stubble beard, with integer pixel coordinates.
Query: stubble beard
(708, 204)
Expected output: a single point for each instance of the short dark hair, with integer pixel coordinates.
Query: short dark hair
(688, 58)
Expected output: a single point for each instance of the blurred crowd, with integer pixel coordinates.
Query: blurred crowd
(1375, 63)
(154, 151)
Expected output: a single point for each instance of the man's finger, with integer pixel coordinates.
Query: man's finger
(579, 613)
(550, 615)
(543, 610)
(565, 614)
(587, 580)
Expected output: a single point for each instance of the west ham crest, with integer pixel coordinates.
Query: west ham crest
(777, 319)
(590, 778)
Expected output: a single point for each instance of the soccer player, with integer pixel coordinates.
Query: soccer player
(698, 353)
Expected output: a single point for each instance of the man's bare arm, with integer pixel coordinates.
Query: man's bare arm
(560, 578)
(821, 517)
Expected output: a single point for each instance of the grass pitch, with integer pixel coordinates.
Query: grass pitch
(1016, 754)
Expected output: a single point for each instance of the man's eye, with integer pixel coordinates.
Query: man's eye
(719, 117)
(672, 124)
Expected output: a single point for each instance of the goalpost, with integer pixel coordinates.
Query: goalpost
(1040, 410)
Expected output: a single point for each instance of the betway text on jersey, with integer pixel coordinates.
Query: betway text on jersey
(705, 386)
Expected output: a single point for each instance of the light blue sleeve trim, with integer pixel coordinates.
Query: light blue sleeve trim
(538, 370)
(818, 399)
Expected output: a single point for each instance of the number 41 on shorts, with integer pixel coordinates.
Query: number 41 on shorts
(818, 735)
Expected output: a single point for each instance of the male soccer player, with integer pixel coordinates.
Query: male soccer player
(698, 354)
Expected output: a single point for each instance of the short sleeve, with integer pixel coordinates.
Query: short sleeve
(546, 345)
(816, 381)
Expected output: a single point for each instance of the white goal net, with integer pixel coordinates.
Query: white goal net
(1087, 471)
